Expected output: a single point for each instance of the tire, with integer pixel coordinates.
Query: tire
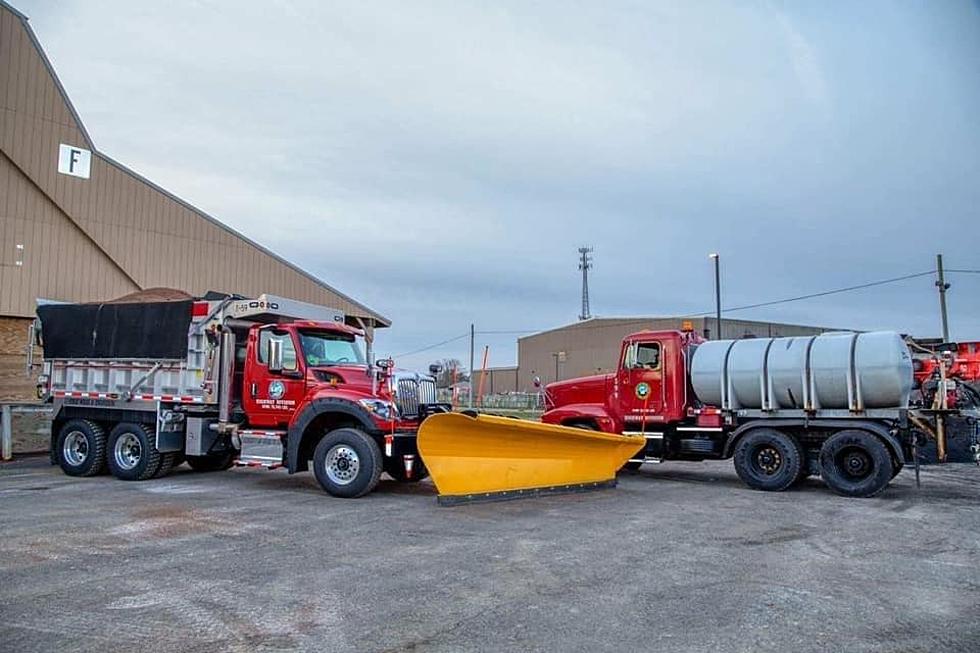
(419, 471)
(80, 448)
(856, 463)
(212, 463)
(167, 461)
(347, 463)
(897, 466)
(132, 453)
(767, 459)
(805, 472)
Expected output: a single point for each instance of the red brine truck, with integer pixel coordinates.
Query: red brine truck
(138, 388)
(838, 405)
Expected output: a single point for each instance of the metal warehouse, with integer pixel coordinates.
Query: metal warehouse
(77, 226)
(592, 346)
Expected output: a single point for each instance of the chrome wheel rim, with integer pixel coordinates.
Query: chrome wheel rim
(342, 464)
(128, 451)
(75, 449)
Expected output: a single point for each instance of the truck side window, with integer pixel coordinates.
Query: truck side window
(644, 356)
(288, 349)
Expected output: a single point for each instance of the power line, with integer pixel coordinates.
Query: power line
(963, 271)
(438, 344)
(828, 292)
(825, 293)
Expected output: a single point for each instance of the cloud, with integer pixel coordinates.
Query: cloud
(442, 161)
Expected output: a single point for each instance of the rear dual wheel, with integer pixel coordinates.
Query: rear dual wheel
(856, 463)
(767, 459)
(80, 448)
(132, 454)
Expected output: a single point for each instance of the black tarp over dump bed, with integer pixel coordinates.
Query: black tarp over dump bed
(136, 330)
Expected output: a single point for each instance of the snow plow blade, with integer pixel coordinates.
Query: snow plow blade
(489, 458)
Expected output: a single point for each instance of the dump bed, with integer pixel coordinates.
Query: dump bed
(135, 352)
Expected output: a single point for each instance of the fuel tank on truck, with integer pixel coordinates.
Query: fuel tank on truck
(840, 370)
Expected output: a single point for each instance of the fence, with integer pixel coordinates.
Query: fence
(524, 401)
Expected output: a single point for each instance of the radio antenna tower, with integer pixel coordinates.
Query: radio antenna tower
(585, 264)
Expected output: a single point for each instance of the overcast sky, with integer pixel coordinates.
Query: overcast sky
(442, 161)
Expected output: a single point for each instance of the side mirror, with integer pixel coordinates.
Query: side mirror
(435, 369)
(274, 356)
(384, 363)
(537, 382)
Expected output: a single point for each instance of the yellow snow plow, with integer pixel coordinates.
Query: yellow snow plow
(485, 458)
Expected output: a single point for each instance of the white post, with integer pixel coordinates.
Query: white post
(6, 434)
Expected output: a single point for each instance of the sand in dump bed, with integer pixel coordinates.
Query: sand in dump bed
(151, 295)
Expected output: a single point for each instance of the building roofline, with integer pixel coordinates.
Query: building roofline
(54, 75)
(218, 223)
(640, 320)
(135, 175)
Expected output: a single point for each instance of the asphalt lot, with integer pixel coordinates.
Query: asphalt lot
(680, 557)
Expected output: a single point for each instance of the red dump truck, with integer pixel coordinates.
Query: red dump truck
(139, 388)
(838, 405)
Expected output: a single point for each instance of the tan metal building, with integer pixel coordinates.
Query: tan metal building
(77, 226)
(592, 346)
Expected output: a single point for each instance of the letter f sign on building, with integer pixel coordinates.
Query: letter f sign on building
(74, 161)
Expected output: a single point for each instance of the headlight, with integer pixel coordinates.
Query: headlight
(382, 409)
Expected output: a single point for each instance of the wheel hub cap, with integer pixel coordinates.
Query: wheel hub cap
(342, 464)
(75, 449)
(769, 460)
(128, 451)
(856, 464)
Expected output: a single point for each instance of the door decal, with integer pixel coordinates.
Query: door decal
(642, 390)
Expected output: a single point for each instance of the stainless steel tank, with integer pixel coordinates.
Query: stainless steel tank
(850, 371)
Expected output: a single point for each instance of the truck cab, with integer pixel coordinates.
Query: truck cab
(649, 387)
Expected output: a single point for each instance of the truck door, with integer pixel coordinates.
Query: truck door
(271, 398)
(641, 387)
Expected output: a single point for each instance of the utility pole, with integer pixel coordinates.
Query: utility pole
(943, 287)
(717, 259)
(585, 264)
(472, 344)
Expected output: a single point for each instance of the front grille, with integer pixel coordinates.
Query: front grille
(412, 393)
(408, 397)
(427, 391)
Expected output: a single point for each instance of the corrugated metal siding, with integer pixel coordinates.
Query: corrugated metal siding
(497, 380)
(104, 236)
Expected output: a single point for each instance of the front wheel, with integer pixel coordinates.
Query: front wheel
(767, 459)
(347, 463)
(856, 463)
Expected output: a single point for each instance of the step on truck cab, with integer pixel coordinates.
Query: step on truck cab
(837, 405)
(271, 382)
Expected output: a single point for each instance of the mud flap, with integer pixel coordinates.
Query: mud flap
(488, 458)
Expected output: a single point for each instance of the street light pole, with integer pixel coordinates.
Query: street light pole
(943, 287)
(717, 259)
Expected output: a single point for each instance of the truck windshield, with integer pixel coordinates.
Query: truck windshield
(323, 348)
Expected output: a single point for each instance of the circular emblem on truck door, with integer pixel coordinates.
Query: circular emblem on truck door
(277, 389)
(642, 390)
